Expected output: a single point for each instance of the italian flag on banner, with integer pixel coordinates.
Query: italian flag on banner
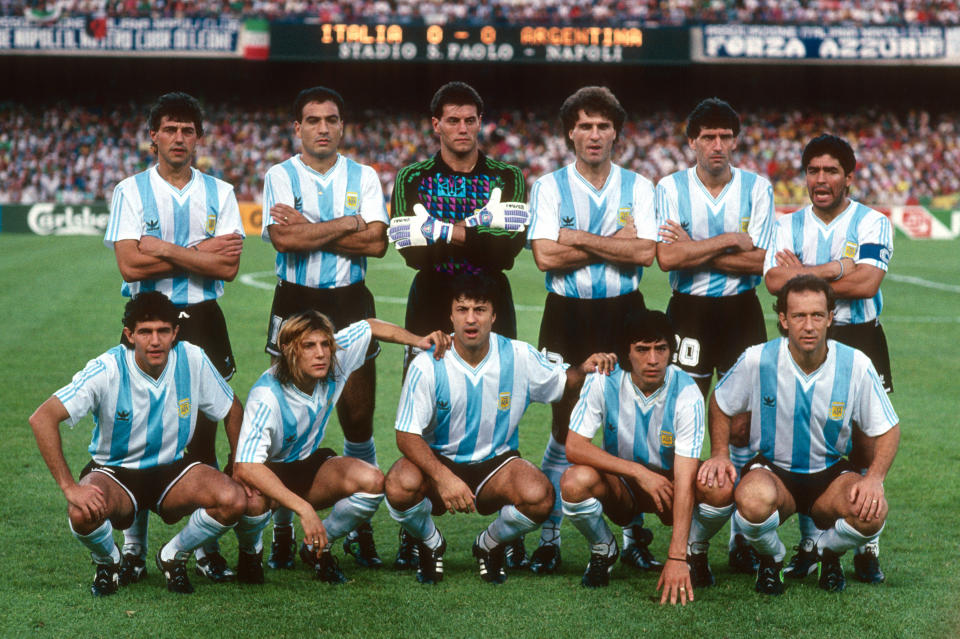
(255, 39)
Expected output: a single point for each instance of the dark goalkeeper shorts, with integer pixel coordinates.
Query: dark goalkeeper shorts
(577, 328)
(344, 306)
(712, 332)
(869, 338)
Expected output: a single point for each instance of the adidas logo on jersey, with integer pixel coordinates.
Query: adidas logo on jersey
(153, 225)
(443, 405)
(567, 221)
(298, 203)
(123, 416)
(769, 401)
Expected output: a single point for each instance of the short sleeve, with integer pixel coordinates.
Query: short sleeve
(126, 221)
(276, 190)
(216, 396)
(689, 422)
(876, 242)
(261, 418)
(544, 211)
(666, 205)
(352, 345)
(372, 205)
(762, 224)
(587, 415)
(417, 398)
(228, 221)
(82, 395)
(873, 412)
(780, 240)
(733, 392)
(546, 379)
(644, 210)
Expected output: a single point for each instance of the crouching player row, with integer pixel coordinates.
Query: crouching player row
(278, 454)
(457, 430)
(651, 415)
(145, 399)
(814, 403)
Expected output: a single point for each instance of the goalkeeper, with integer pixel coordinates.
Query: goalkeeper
(460, 224)
(457, 212)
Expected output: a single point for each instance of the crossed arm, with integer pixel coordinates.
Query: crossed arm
(291, 232)
(855, 281)
(152, 258)
(729, 252)
(575, 249)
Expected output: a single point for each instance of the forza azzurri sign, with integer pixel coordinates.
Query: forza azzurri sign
(819, 44)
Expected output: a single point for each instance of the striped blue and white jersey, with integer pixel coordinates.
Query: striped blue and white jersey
(470, 414)
(803, 423)
(348, 188)
(860, 233)
(648, 430)
(139, 421)
(565, 199)
(281, 423)
(744, 206)
(146, 204)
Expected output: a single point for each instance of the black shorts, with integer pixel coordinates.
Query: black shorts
(805, 488)
(429, 304)
(869, 338)
(642, 501)
(298, 475)
(577, 328)
(146, 487)
(475, 474)
(203, 325)
(344, 306)
(712, 332)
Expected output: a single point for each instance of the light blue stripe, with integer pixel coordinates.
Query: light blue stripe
(468, 445)
(717, 281)
(611, 410)
(182, 380)
(213, 210)
(298, 260)
(627, 181)
(502, 428)
(769, 357)
(843, 372)
(667, 423)
(800, 455)
(406, 401)
(154, 435)
(641, 424)
(441, 387)
(119, 438)
(596, 272)
(796, 228)
(151, 214)
(181, 234)
(257, 423)
(568, 282)
(358, 263)
(682, 281)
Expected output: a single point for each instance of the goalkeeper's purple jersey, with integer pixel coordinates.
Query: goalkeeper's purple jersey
(452, 196)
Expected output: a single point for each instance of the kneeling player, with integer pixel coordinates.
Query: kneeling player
(145, 399)
(806, 395)
(278, 451)
(457, 430)
(651, 414)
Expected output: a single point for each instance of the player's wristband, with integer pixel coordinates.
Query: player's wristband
(683, 559)
(840, 262)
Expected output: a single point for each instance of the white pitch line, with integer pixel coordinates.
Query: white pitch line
(909, 279)
(250, 279)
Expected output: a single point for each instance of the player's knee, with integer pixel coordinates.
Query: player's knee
(231, 503)
(402, 484)
(576, 482)
(81, 522)
(756, 500)
(257, 505)
(715, 495)
(369, 479)
(536, 499)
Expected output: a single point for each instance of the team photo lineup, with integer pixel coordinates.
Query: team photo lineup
(705, 418)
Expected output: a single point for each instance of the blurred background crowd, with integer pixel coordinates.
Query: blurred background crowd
(74, 154)
(542, 12)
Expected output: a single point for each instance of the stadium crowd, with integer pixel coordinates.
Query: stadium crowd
(78, 154)
(600, 12)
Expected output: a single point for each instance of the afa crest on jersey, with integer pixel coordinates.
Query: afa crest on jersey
(504, 403)
(352, 200)
(850, 250)
(744, 224)
(624, 215)
(836, 410)
(211, 226)
(184, 407)
(666, 438)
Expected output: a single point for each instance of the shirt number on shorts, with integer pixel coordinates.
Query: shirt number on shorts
(688, 351)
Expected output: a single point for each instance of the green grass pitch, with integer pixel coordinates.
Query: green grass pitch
(61, 307)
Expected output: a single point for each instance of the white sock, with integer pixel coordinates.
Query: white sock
(706, 521)
(350, 512)
(200, 529)
(739, 456)
(553, 464)
(249, 531)
(417, 521)
(842, 537)
(587, 517)
(100, 543)
(763, 536)
(366, 451)
(808, 529)
(282, 517)
(509, 524)
(628, 539)
(135, 537)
